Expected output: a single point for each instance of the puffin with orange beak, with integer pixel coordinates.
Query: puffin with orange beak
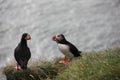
(67, 48)
(22, 52)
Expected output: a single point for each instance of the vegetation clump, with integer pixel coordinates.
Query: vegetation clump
(94, 65)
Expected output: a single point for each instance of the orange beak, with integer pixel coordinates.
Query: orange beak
(30, 38)
(54, 38)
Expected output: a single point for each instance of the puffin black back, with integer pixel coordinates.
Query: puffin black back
(73, 49)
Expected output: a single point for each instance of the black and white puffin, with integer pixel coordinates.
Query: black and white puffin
(22, 52)
(67, 48)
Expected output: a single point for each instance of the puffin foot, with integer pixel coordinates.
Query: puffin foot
(63, 61)
(17, 67)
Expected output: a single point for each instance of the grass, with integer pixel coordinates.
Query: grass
(95, 65)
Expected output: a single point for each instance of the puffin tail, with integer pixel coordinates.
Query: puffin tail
(80, 52)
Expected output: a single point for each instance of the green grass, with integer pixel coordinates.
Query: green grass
(95, 65)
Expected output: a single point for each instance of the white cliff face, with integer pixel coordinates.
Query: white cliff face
(90, 25)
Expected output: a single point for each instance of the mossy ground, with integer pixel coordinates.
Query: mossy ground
(95, 65)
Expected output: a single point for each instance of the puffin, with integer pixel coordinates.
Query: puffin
(67, 48)
(22, 52)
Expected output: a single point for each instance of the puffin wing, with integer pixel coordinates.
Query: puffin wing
(17, 55)
(27, 55)
(25, 58)
(74, 50)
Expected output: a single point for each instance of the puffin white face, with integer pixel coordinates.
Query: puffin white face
(28, 37)
(58, 38)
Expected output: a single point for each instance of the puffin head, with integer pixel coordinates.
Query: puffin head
(58, 38)
(26, 36)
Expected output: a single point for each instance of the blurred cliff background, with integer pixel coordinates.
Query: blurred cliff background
(88, 24)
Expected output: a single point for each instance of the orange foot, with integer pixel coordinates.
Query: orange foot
(17, 67)
(63, 61)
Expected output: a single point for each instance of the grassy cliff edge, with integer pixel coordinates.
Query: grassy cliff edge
(95, 65)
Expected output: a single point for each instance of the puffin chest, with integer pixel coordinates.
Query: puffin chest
(65, 49)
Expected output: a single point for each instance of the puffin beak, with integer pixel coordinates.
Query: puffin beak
(30, 38)
(54, 38)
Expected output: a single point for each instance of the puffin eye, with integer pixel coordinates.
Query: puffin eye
(58, 35)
